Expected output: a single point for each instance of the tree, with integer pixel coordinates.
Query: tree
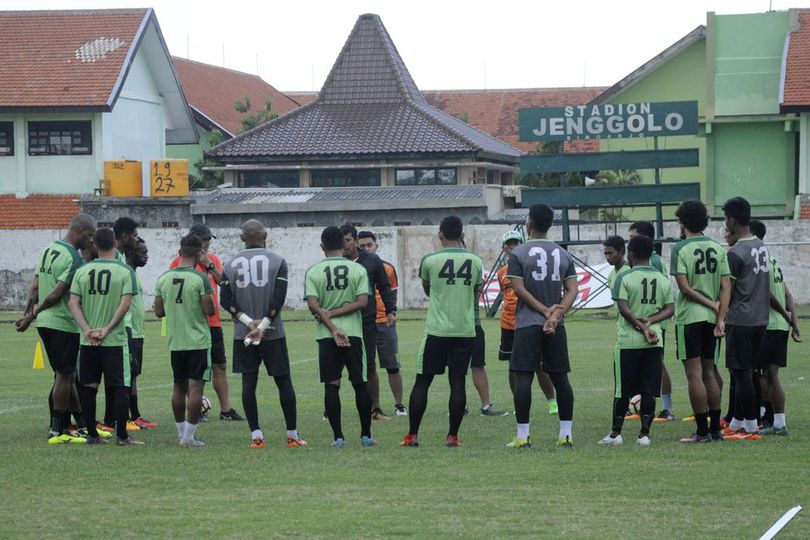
(549, 180)
(207, 179)
(252, 119)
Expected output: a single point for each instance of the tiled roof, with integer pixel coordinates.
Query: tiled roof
(213, 90)
(65, 59)
(315, 195)
(302, 97)
(368, 106)
(37, 211)
(796, 85)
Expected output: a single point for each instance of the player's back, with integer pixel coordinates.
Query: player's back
(454, 274)
(748, 262)
(252, 274)
(58, 262)
(181, 289)
(101, 283)
(775, 320)
(704, 263)
(336, 282)
(646, 291)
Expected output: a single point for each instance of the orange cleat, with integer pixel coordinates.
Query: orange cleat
(295, 443)
(411, 439)
(258, 442)
(452, 441)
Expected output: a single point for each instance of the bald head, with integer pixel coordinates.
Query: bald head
(81, 222)
(253, 233)
(81, 230)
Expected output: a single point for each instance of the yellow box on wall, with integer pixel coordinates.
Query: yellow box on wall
(168, 178)
(122, 178)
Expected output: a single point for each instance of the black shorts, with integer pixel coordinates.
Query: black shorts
(61, 347)
(112, 362)
(438, 353)
(135, 356)
(696, 340)
(774, 350)
(388, 346)
(194, 365)
(217, 346)
(370, 341)
(533, 350)
(638, 371)
(744, 346)
(479, 349)
(272, 352)
(332, 359)
(507, 339)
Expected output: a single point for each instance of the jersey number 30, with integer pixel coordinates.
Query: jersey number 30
(253, 272)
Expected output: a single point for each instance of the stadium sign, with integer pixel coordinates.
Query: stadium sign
(609, 121)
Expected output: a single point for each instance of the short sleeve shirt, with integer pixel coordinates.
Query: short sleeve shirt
(214, 320)
(181, 290)
(453, 274)
(58, 262)
(509, 305)
(336, 282)
(749, 263)
(775, 320)
(392, 279)
(101, 284)
(704, 262)
(544, 267)
(252, 275)
(646, 291)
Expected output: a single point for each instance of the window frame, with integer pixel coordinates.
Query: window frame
(7, 149)
(296, 172)
(435, 181)
(314, 182)
(44, 130)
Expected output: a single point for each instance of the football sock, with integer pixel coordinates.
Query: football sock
(619, 410)
(735, 424)
(759, 409)
(50, 401)
(565, 395)
(191, 429)
(331, 404)
(667, 400)
(87, 396)
(745, 399)
(292, 433)
(134, 412)
(418, 401)
(647, 412)
(523, 395)
(57, 425)
(109, 406)
(181, 428)
(286, 395)
(249, 382)
(257, 434)
(768, 416)
(779, 420)
(523, 431)
(714, 420)
(565, 429)
(751, 426)
(458, 400)
(702, 424)
(77, 415)
(121, 408)
(362, 401)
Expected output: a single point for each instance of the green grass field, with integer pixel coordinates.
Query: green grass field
(731, 489)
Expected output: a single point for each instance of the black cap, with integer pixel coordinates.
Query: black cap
(202, 231)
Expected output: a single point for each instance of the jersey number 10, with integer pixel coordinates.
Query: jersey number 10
(98, 282)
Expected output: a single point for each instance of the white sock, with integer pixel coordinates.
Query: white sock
(761, 411)
(735, 424)
(257, 434)
(523, 431)
(191, 429)
(667, 400)
(292, 433)
(181, 428)
(779, 420)
(751, 426)
(565, 429)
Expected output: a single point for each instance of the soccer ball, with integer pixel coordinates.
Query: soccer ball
(635, 403)
(206, 406)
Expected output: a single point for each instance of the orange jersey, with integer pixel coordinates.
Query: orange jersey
(213, 320)
(510, 299)
(392, 279)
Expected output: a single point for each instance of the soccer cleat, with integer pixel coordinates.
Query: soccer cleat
(378, 414)
(132, 426)
(726, 431)
(452, 441)
(325, 418)
(723, 423)
(295, 443)
(339, 443)
(742, 435)
(144, 423)
(104, 434)
(65, 438)
(466, 411)
(565, 443)
(643, 440)
(553, 408)
(664, 416)
(96, 440)
(411, 439)
(716, 436)
(696, 439)
(492, 410)
(193, 443)
(104, 427)
(770, 430)
(630, 415)
(258, 442)
(232, 416)
(611, 441)
(400, 410)
(367, 441)
(689, 419)
(519, 443)
(129, 441)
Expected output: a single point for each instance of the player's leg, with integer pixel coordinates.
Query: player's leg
(523, 405)
(649, 366)
(524, 362)
(198, 371)
(621, 402)
(479, 375)
(388, 353)
(458, 356)
(116, 367)
(430, 361)
(179, 392)
(697, 394)
(548, 391)
(277, 361)
(355, 363)
(330, 363)
(372, 377)
(219, 376)
(246, 361)
(777, 399)
(62, 349)
(90, 371)
(557, 365)
(713, 396)
(775, 348)
(666, 389)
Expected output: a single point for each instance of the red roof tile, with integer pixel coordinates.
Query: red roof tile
(37, 211)
(58, 59)
(213, 90)
(797, 67)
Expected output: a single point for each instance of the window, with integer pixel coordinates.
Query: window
(277, 179)
(6, 138)
(425, 177)
(59, 138)
(346, 178)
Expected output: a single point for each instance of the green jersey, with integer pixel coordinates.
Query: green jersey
(58, 262)
(704, 262)
(137, 310)
(646, 291)
(100, 284)
(775, 320)
(453, 274)
(123, 260)
(657, 262)
(181, 289)
(611, 279)
(336, 282)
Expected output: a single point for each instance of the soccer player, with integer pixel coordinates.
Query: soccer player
(253, 291)
(48, 305)
(700, 267)
(647, 229)
(378, 280)
(644, 298)
(510, 241)
(336, 291)
(613, 248)
(745, 322)
(183, 295)
(101, 294)
(387, 339)
(774, 351)
(545, 281)
(211, 266)
(137, 258)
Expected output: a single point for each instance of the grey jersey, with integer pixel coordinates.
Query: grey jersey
(544, 266)
(751, 285)
(251, 277)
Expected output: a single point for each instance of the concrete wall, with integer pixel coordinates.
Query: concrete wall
(402, 246)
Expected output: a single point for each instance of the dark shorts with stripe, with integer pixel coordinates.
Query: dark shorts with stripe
(638, 371)
(112, 362)
(217, 346)
(388, 346)
(744, 346)
(438, 353)
(194, 365)
(479, 349)
(332, 359)
(774, 351)
(273, 353)
(533, 349)
(370, 342)
(696, 340)
(61, 347)
(507, 340)
(135, 354)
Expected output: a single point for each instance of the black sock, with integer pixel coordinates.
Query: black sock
(702, 424)
(79, 417)
(249, 382)
(565, 395)
(120, 410)
(50, 402)
(109, 406)
(768, 418)
(746, 402)
(732, 391)
(647, 412)
(619, 410)
(458, 400)
(418, 401)
(134, 412)
(331, 403)
(57, 422)
(286, 395)
(523, 395)
(362, 400)
(87, 397)
(714, 420)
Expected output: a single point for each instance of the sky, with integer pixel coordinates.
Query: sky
(445, 44)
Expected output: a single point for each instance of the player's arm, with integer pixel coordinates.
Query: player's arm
(629, 316)
(207, 302)
(426, 286)
(322, 316)
(226, 297)
(692, 294)
(279, 292)
(665, 313)
(558, 311)
(794, 319)
(779, 308)
(211, 267)
(359, 303)
(526, 297)
(75, 305)
(383, 285)
(28, 317)
(160, 312)
(120, 311)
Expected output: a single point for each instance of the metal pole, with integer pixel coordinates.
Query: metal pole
(659, 215)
